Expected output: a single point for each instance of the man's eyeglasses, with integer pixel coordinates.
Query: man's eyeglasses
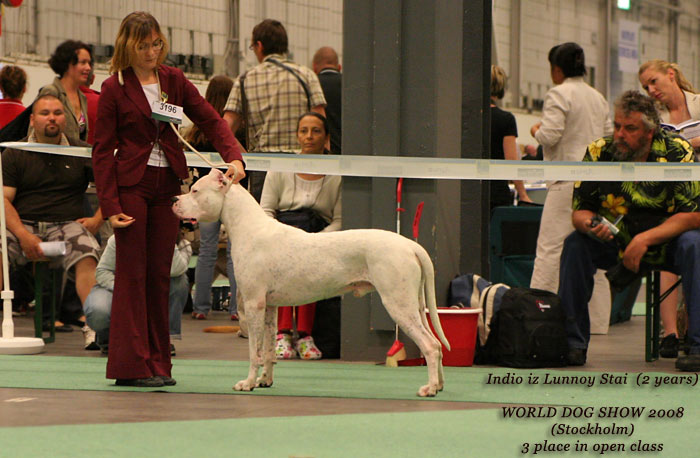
(157, 45)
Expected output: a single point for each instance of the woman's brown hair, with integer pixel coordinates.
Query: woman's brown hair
(134, 29)
(13, 81)
(217, 95)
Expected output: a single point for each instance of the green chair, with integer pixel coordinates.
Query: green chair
(512, 244)
(653, 317)
(43, 273)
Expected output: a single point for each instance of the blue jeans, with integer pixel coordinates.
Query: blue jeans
(204, 272)
(582, 255)
(98, 309)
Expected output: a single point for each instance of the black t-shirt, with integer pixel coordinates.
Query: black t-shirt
(50, 187)
(331, 83)
(502, 125)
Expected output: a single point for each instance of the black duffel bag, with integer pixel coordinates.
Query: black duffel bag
(529, 329)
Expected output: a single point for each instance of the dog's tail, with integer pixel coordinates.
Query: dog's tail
(429, 293)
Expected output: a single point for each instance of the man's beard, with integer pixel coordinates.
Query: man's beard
(51, 134)
(627, 156)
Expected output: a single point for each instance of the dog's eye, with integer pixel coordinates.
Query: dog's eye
(194, 191)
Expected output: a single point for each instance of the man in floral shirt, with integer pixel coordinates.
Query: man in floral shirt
(657, 228)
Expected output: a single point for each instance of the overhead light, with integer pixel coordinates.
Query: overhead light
(624, 4)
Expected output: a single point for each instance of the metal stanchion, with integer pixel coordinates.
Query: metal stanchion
(9, 344)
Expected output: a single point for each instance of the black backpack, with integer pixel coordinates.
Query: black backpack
(529, 329)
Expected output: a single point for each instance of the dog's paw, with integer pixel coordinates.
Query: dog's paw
(243, 385)
(427, 391)
(263, 382)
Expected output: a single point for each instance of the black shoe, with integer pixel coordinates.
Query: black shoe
(172, 350)
(669, 346)
(150, 382)
(689, 363)
(576, 356)
(685, 346)
(167, 381)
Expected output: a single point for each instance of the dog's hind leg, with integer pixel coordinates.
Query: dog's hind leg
(424, 320)
(255, 314)
(268, 351)
(409, 320)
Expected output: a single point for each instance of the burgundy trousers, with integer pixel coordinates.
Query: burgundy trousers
(139, 344)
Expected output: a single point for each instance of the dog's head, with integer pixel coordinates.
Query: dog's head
(205, 199)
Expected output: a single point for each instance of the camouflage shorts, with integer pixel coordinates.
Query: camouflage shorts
(80, 243)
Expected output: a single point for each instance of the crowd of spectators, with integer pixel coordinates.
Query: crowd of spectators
(279, 106)
(53, 205)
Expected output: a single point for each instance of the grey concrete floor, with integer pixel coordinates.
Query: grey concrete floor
(621, 350)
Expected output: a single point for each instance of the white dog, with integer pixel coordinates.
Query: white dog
(279, 265)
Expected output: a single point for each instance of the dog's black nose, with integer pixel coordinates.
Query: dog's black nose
(174, 199)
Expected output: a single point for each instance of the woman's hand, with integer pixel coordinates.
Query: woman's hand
(235, 171)
(92, 223)
(120, 220)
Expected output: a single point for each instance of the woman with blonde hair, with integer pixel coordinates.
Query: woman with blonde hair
(504, 131)
(676, 97)
(677, 102)
(135, 186)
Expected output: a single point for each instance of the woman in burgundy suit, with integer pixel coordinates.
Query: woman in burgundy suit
(138, 163)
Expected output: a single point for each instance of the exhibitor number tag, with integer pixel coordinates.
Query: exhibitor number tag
(167, 112)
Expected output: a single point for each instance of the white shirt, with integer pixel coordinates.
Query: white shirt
(286, 191)
(574, 115)
(692, 101)
(307, 191)
(157, 158)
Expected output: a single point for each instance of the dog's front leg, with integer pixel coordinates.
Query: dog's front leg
(269, 342)
(255, 311)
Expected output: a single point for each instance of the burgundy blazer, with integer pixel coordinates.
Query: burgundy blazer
(125, 124)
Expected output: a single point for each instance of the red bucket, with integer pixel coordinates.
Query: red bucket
(460, 327)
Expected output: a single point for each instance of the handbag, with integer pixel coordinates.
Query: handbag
(305, 219)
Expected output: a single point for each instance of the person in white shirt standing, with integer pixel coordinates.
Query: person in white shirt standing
(574, 115)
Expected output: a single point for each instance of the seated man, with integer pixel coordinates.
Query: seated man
(98, 305)
(657, 229)
(44, 202)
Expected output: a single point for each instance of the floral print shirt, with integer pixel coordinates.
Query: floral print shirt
(642, 204)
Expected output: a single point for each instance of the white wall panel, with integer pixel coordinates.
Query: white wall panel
(311, 24)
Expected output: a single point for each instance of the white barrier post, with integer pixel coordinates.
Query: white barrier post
(9, 344)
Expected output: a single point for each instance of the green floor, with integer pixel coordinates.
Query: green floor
(426, 434)
(327, 379)
(474, 433)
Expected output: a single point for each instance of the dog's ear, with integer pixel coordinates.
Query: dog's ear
(219, 178)
(215, 173)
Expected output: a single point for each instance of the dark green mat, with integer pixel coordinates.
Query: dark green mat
(324, 379)
(473, 433)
